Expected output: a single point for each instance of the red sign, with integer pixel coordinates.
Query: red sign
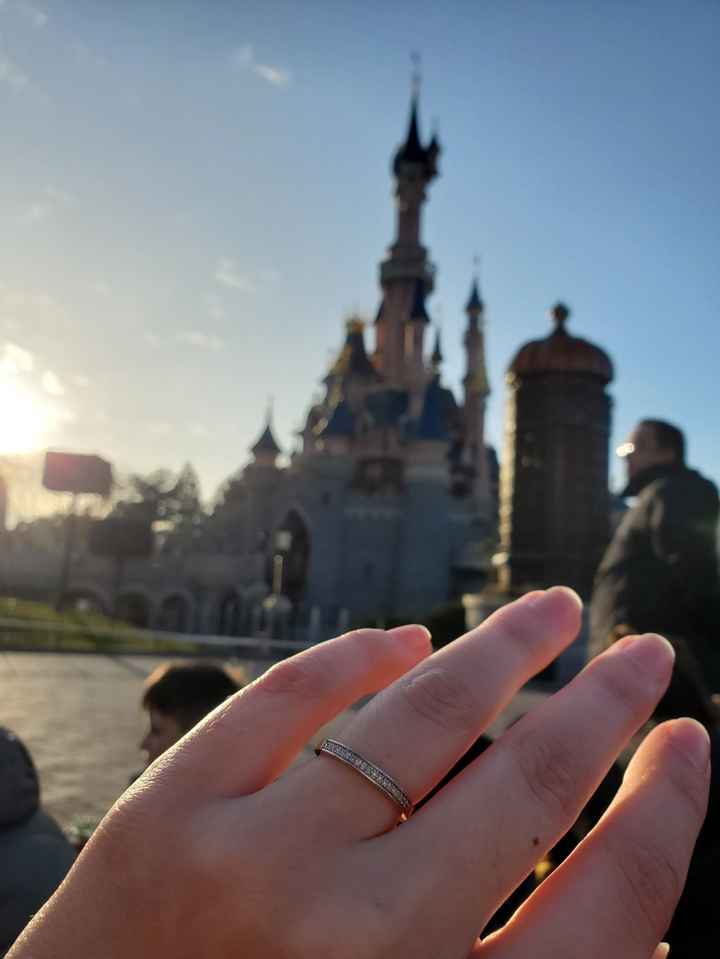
(77, 473)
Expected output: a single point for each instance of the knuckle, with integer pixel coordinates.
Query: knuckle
(650, 883)
(549, 775)
(623, 683)
(518, 629)
(444, 699)
(295, 677)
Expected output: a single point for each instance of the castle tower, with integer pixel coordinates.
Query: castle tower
(406, 275)
(266, 450)
(476, 392)
(554, 498)
(437, 356)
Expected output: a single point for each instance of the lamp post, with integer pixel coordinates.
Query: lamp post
(282, 542)
(276, 607)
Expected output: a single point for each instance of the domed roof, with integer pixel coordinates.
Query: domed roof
(561, 353)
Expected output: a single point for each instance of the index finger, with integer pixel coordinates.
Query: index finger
(249, 740)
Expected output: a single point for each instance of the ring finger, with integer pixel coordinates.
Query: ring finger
(420, 726)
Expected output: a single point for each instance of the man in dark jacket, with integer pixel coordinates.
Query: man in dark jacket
(660, 572)
(34, 854)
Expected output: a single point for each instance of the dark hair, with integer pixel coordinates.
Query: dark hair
(188, 691)
(668, 437)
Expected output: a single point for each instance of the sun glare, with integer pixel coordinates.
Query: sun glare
(23, 420)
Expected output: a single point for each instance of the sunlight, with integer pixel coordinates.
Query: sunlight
(23, 421)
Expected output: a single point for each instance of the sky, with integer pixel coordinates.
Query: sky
(195, 195)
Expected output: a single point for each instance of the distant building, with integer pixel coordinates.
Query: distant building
(554, 497)
(390, 499)
(387, 509)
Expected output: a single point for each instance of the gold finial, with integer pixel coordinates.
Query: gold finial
(416, 76)
(354, 324)
(560, 314)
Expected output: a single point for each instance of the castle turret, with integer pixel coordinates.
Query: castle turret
(406, 275)
(476, 390)
(437, 356)
(266, 449)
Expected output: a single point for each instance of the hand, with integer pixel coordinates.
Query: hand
(214, 853)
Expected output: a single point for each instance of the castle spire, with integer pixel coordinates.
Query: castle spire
(266, 449)
(437, 356)
(474, 305)
(477, 389)
(406, 275)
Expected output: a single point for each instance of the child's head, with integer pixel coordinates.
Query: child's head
(179, 695)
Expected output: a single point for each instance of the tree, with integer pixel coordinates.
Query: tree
(160, 509)
(174, 500)
(122, 537)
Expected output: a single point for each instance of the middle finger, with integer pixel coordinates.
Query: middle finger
(492, 824)
(419, 727)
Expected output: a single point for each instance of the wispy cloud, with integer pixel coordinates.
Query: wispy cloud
(36, 213)
(12, 299)
(215, 307)
(37, 17)
(11, 74)
(244, 59)
(44, 206)
(274, 75)
(63, 414)
(51, 384)
(59, 196)
(14, 359)
(228, 274)
(82, 382)
(200, 340)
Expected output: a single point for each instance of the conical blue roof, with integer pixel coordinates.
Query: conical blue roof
(432, 424)
(341, 421)
(475, 303)
(412, 150)
(437, 356)
(267, 442)
(418, 313)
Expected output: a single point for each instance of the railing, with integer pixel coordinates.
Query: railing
(31, 635)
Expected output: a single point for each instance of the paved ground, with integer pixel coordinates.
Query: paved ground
(80, 717)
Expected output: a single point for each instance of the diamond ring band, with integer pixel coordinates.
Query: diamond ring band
(374, 774)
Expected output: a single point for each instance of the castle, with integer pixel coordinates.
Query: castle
(386, 507)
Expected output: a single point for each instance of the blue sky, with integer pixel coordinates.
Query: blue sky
(196, 194)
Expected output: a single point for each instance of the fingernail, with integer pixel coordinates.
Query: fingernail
(693, 741)
(532, 598)
(650, 651)
(570, 593)
(414, 634)
(536, 597)
(662, 950)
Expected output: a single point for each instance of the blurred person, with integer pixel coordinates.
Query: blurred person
(34, 854)
(307, 860)
(660, 571)
(177, 696)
